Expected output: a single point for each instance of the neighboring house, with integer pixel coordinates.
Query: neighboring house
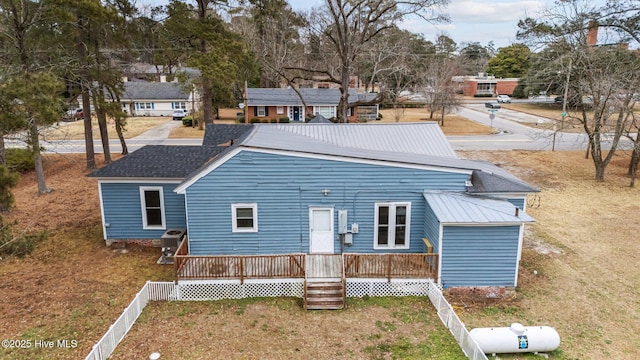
(393, 189)
(142, 98)
(274, 103)
(157, 98)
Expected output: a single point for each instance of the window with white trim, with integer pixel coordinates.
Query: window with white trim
(152, 202)
(262, 111)
(326, 111)
(179, 105)
(392, 225)
(280, 110)
(244, 217)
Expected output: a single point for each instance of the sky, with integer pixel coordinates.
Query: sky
(479, 21)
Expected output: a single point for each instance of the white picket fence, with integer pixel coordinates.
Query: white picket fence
(202, 291)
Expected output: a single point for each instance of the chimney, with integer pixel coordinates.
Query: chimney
(592, 34)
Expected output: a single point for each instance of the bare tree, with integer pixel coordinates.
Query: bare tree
(437, 87)
(346, 26)
(604, 75)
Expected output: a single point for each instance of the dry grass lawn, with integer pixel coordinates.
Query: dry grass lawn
(584, 248)
(75, 130)
(453, 124)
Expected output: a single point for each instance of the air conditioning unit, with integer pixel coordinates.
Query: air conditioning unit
(169, 241)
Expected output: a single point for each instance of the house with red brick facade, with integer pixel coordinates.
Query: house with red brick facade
(267, 104)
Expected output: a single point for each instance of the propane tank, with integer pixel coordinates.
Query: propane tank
(516, 339)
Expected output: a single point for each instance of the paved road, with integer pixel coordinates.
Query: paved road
(510, 134)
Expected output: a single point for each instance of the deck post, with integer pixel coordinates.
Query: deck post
(389, 267)
(241, 270)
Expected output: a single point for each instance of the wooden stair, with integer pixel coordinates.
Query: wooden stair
(326, 294)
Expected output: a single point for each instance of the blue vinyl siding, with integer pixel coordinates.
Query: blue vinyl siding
(284, 187)
(431, 228)
(123, 212)
(479, 256)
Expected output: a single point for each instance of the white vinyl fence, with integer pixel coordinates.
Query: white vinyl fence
(203, 291)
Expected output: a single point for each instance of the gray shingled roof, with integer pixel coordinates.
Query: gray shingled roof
(458, 208)
(319, 119)
(283, 97)
(139, 90)
(217, 134)
(497, 182)
(159, 161)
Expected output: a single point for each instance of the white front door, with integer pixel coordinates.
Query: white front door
(321, 230)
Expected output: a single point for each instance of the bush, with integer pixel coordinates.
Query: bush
(254, 120)
(188, 121)
(241, 119)
(483, 95)
(20, 160)
(18, 245)
(284, 119)
(273, 121)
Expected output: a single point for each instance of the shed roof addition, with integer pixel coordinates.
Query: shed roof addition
(459, 208)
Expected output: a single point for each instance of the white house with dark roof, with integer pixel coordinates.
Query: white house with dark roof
(396, 192)
(157, 98)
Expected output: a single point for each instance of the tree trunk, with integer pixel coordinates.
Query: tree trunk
(207, 105)
(125, 150)
(86, 102)
(37, 157)
(104, 133)
(3, 151)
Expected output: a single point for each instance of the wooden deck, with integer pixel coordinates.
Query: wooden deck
(307, 266)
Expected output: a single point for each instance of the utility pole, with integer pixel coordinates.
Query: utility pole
(564, 105)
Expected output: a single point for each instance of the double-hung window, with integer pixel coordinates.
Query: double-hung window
(392, 225)
(152, 201)
(244, 217)
(262, 111)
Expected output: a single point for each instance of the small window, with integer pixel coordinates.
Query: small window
(262, 111)
(152, 202)
(244, 217)
(179, 105)
(392, 225)
(280, 110)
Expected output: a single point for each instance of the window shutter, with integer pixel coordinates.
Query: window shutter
(173, 106)
(153, 106)
(255, 111)
(266, 111)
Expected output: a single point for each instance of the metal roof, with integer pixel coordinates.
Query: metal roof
(282, 97)
(405, 142)
(459, 208)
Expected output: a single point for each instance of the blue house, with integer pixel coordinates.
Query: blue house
(350, 189)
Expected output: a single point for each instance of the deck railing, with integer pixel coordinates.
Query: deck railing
(391, 265)
(240, 267)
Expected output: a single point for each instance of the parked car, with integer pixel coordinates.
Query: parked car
(73, 115)
(179, 114)
(505, 99)
(558, 99)
(492, 104)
